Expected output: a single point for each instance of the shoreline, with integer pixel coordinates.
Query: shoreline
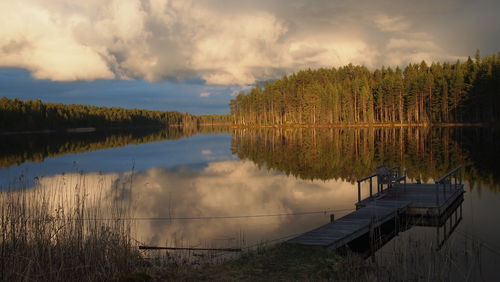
(282, 126)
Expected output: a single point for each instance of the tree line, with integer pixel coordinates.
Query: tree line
(18, 115)
(440, 93)
(214, 119)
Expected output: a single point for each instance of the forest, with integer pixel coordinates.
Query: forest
(460, 92)
(16, 115)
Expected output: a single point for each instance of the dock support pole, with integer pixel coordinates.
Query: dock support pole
(437, 238)
(332, 217)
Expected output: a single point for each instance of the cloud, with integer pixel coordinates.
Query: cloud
(206, 152)
(224, 42)
(204, 94)
(391, 24)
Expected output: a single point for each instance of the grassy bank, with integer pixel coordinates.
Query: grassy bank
(283, 262)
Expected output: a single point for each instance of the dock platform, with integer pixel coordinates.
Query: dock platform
(420, 203)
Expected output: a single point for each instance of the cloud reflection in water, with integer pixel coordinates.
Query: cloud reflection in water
(224, 188)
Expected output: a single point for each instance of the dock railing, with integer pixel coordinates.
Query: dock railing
(388, 177)
(452, 179)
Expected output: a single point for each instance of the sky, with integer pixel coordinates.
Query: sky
(194, 56)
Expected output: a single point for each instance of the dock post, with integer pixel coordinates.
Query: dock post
(332, 217)
(371, 236)
(396, 222)
(404, 171)
(437, 238)
(444, 227)
(437, 194)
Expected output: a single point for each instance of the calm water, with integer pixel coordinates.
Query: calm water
(233, 188)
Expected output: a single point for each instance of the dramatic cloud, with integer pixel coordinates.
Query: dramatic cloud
(234, 42)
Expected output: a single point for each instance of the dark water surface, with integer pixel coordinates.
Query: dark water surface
(240, 187)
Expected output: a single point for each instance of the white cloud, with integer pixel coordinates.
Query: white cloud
(206, 152)
(205, 94)
(224, 42)
(43, 43)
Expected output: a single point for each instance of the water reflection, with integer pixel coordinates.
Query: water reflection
(193, 152)
(351, 153)
(227, 188)
(17, 149)
(308, 153)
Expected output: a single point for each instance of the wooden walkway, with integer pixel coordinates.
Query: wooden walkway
(353, 225)
(423, 201)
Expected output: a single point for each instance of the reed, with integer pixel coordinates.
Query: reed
(57, 234)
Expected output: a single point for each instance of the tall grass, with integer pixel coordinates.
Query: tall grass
(58, 233)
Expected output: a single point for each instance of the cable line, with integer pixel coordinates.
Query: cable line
(212, 217)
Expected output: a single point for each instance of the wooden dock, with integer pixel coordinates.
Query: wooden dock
(421, 203)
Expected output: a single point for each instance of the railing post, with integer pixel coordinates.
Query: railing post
(359, 191)
(371, 193)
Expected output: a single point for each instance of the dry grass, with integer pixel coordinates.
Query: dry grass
(51, 234)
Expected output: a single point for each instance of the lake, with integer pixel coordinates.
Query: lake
(222, 187)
